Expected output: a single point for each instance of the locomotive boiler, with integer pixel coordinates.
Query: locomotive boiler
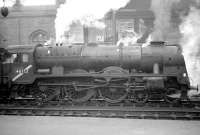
(157, 58)
(107, 72)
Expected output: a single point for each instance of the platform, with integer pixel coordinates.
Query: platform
(45, 125)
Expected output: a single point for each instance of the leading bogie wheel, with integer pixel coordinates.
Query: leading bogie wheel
(140, 96)
(172, 95)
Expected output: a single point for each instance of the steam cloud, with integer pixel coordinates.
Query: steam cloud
(162, 23)
(188, 16)
(87, 12)
(190, 29)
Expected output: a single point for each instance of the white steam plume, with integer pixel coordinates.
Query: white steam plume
(88, 12)
(162, 23)
(190, 29)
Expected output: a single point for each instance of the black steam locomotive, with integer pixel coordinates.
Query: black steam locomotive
(82, 72)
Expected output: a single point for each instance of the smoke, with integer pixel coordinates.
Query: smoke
(87, 12)
(186, 14)
(162, 13)
(190, 41)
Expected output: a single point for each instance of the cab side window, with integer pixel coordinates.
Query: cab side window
(11, 59)
(24, 58)
(21, 58)
(17, 58)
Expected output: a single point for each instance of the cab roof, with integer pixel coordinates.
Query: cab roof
(20, 48)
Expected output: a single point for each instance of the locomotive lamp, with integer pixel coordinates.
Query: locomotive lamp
(4, 10)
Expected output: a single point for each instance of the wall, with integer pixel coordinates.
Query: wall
(21, 22)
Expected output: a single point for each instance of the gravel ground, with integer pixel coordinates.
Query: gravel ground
(37, 125)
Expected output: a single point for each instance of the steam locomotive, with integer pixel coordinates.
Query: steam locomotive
(80, 73)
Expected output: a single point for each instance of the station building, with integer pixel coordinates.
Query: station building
(36, 24)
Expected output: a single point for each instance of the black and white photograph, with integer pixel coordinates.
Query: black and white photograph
(99, 67)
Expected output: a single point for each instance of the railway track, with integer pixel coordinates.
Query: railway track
(152, 110)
